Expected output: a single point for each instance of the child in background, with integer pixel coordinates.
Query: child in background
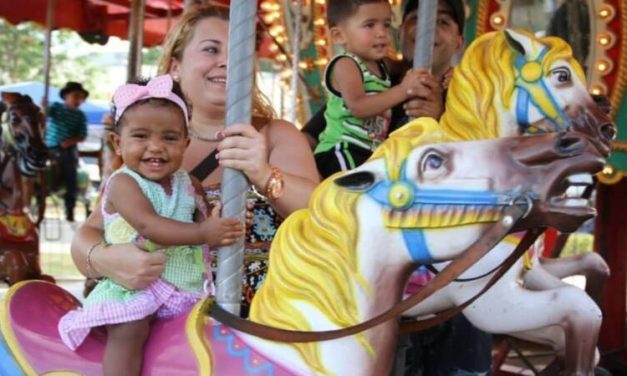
(358, 85)
(150, 200)
(67, 126)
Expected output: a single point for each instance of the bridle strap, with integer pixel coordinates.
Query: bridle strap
(476, 251)
(417, 325)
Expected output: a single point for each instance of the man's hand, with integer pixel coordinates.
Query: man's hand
(427, 100)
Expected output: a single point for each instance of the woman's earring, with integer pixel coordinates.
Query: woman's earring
(175, 78)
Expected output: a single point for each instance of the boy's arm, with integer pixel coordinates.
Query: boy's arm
(126, 197)
(346, 79)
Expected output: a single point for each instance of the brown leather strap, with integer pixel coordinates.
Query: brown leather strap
(477, 250)
(440, 317)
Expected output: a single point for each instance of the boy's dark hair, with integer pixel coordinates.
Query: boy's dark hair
(176, 89)
(340, 10)
(457, 7)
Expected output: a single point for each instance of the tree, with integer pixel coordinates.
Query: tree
(22, 57)
(21, 53)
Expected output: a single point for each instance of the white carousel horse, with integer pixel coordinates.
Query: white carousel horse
(339, 262)
(512, 83)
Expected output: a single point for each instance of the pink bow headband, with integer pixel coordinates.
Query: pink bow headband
(158, 87)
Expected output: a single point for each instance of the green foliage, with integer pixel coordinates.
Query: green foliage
(22, 57)
(151, 56)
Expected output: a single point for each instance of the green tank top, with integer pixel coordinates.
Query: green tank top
(344, 127)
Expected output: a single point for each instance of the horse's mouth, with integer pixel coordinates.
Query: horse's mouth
(573, 196)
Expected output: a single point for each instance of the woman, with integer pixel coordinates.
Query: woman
(273, 154)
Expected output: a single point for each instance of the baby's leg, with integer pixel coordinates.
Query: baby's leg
(125, 347)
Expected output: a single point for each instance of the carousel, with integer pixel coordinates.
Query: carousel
(490, 247)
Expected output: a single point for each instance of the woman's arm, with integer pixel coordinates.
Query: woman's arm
(126, 264)
(281, 145)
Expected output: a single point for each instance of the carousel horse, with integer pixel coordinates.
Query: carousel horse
(341, 261)
(23, 153)
(513, 83)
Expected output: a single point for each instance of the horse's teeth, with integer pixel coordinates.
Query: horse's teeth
(580, 179)
(575, 191)
(575, 202)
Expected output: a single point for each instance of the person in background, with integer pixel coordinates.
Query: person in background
(272, 154)
(360, 94)
(67, 126)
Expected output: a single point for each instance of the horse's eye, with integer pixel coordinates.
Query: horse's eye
(560, 75)
(15, 119)
(432, 161)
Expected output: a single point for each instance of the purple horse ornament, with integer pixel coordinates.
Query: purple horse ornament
(341, 261)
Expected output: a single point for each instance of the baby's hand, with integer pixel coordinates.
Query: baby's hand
(221, 231)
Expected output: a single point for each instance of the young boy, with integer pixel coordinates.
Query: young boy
(67, 126)
(358, 85)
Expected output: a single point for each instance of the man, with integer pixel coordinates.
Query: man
(67, 126)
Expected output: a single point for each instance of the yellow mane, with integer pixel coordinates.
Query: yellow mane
(483, 83)
(314, 257)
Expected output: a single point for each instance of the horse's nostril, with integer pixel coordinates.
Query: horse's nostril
(608, 131)
(568, 144)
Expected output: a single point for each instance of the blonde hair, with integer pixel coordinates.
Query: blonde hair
(321, 242)
(178, 38)
(484, 77)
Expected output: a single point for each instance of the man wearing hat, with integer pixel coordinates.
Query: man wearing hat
(67, 126)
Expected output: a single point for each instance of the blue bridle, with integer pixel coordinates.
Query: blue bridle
(403, 195)
(533, 90)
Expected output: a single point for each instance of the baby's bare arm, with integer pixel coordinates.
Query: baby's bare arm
(125, 197)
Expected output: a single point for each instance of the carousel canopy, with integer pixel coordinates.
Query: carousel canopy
(96, 20)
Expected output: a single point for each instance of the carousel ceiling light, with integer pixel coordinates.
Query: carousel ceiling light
(598, 89)
(604, 66)
(498, 20)
(605, 40)
(606, 13)
(267, 6)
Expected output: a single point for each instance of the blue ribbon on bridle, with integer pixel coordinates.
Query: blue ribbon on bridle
(525, 98)
(414, 197)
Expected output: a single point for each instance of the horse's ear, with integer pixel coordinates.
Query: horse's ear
(359, 181)
(8, 97)
(513, 42)
(526, 44)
